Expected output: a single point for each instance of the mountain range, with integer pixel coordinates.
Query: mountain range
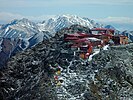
(22, 34)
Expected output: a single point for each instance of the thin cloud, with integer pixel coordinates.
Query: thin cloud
(120, 20)
(4, 16)
(7, 17)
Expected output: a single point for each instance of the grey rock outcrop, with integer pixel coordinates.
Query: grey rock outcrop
(109, 75)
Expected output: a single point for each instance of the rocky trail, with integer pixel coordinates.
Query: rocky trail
(108, 76)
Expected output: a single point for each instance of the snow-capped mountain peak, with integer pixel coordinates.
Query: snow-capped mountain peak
(24, 31)
(16, 27)
(110, 27)
(61, 21)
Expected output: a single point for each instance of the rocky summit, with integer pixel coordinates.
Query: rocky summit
(51, 71)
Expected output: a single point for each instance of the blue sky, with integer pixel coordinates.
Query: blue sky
(116, 12)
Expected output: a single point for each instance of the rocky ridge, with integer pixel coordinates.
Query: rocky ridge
(109, 75)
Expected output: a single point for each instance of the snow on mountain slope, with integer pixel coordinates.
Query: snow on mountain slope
(0, 44)
(59, 22)
(19, 28)
(26, 29)
(94, 24)
(110, 27)
(129, 34)
(22, 29)
(18, 35)
(0, 26)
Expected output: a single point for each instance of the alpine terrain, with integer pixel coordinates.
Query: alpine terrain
(21, 34)
(65, 58)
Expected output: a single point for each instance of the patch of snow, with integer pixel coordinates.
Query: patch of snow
(23, 25)
(6, 29)
(0, 44)
(93, 39)
(35, 62)
(96, 51)
(92, 76)
(106, 47)
(13, 34)
(68, 68)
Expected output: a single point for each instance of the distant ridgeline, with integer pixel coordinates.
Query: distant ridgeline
(22, 34)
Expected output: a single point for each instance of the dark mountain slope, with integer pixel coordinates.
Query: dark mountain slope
(29, 75)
